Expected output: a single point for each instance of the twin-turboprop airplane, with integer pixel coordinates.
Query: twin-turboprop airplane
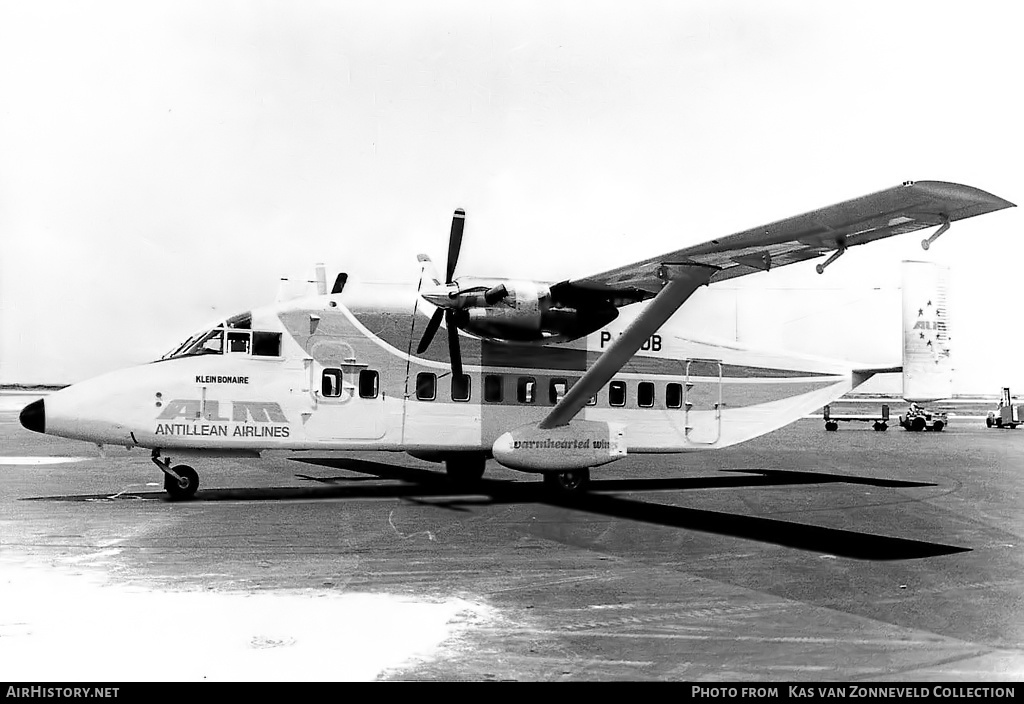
(466, 369)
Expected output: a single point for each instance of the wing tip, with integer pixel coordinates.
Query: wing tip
(960, 191)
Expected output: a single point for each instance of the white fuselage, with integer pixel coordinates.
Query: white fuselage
(340, 372)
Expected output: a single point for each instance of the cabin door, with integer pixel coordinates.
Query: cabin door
(702, 400)
(348, 403)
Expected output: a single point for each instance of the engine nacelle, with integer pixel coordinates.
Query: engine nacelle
(525, 311)
(580, 444)
(522, 307)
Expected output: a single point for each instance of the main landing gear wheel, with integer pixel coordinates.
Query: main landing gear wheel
(573, 482)
(465, 469)
(185, 487)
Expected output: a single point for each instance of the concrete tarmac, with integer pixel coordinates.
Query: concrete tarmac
(853, 556)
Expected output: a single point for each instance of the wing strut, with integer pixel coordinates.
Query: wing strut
(681, 281)
(820, 268)
(925, 244)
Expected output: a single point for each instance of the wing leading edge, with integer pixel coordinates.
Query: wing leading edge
(894, 211)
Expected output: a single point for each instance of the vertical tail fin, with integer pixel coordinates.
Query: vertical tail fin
(927, 367)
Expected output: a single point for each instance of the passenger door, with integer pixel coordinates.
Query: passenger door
(348, 404)
(702, 400)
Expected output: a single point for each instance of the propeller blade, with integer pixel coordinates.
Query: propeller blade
(453, 342)
(455, 242)
(495, 294)
(428, 334)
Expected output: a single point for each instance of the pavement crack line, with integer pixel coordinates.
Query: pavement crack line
(406, 536)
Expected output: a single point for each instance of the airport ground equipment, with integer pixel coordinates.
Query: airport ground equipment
(1006, 414)
(917, 419)
(878, 422)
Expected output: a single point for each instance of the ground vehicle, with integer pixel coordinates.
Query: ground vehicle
(917, 418)
(1006, 414)
(879, 422)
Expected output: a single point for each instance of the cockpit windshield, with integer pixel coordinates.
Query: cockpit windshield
(209, 343)
(206, 342)
(235, 336)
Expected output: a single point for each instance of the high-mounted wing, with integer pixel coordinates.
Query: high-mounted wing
(906, 208)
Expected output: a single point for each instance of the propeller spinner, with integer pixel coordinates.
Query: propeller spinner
(446, 297)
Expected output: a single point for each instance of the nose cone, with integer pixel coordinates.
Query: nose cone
(33, 417)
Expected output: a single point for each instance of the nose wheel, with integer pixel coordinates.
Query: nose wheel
(180, 481)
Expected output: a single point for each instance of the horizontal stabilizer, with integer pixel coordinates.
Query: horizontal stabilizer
(860, 376)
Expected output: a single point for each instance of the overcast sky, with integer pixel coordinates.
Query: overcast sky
(165, 163)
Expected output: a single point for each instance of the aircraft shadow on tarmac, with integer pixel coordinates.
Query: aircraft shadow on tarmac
(845, 543)
(420, 486)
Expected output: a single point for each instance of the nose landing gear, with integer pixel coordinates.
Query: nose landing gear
(181, 481)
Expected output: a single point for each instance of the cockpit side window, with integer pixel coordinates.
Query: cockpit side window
(266, 344)
(238, 342)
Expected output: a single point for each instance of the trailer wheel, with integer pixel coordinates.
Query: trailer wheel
(988, 422)
(831, 426)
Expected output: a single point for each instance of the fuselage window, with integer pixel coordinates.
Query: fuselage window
(460, 387)
(238, 342)
(674, 395)
(526, 389)
(369, 383)
(426, 386)
(557, 389)
(331, 383)
(645, 394)
(493, 388)
(266, 344)
(617, 393)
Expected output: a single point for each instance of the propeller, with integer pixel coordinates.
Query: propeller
(447, 312)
